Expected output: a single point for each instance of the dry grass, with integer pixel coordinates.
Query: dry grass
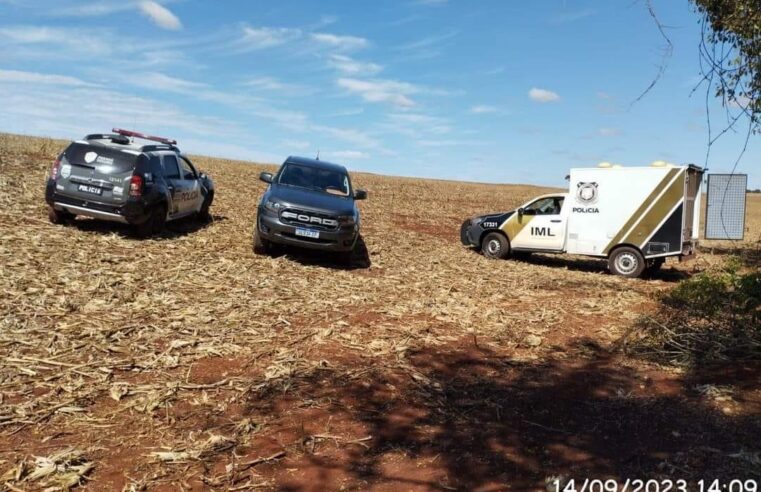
(130, 363)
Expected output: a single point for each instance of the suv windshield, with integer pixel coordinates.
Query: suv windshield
(313, 178)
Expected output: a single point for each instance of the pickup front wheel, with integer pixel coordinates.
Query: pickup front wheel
(495, 246)
(261, 245)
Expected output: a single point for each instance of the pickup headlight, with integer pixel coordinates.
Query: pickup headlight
(273, 206)
(345, 220)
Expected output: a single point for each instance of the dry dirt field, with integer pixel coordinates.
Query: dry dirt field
(185, 362)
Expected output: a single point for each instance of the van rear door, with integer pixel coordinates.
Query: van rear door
(96, 173)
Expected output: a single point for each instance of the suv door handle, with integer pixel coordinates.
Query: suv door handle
(556, 221)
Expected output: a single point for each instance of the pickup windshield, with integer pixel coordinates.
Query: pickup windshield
(313, 178)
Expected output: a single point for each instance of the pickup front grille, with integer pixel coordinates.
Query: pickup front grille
(301, 217)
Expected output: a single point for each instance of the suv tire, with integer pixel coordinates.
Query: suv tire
(59, 217)
(495, 246)
(204, 214)
(627, 262)
(154, 224)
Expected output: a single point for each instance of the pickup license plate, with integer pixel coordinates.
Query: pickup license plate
(308, 233)
(93, 190)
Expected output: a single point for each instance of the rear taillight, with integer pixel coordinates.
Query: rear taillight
(54, 170)
(136, 186)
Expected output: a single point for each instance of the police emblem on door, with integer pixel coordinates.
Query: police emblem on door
(586, 192)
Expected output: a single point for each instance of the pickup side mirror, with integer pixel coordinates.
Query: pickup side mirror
(520, 212)
(360, 195)
(266, 177)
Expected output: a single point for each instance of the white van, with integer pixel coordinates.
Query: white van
(634, 216)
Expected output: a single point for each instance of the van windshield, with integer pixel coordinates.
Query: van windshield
(313, 178)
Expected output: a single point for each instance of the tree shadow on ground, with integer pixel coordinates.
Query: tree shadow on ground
(359, 259)
(174, 229)
(457, 418)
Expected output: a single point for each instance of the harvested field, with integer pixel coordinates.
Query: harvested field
(185, 362)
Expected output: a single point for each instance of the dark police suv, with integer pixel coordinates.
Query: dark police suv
(309, 203)
(110, 177)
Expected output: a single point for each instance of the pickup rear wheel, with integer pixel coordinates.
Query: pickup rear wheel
(495, 246)
(627, 262)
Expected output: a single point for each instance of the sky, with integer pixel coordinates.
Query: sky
(477, 90)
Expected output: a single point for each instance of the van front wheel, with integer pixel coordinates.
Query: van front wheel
(627, 262)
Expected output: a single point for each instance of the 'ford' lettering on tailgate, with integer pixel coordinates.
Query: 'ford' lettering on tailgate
(309, 219)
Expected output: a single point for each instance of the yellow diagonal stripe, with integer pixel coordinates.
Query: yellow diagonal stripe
(617, 239)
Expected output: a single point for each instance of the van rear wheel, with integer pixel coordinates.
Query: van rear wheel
(495, 246)
(627, 262)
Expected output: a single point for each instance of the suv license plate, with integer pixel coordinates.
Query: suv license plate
(94, 190)
(308, 233)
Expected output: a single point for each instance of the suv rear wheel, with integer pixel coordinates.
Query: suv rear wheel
(60, 216)
(154, 224)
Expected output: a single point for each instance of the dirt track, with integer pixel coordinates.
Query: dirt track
(186, 362)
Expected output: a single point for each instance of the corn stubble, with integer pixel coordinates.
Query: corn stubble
(103, 335)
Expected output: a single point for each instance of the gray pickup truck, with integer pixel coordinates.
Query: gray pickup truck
(110, 177)
(310, 204)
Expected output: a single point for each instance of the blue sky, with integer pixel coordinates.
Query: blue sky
(496, 91)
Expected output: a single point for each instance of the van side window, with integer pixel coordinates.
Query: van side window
(171, 169)
(188, 172)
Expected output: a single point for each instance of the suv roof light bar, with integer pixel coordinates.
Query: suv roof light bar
(129, 133)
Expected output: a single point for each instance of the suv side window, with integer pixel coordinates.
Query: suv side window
(545, 206)
(171, 169)
(154, 166)
(188, 172)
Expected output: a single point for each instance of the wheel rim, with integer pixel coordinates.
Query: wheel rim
(626, 263)
(493, 247)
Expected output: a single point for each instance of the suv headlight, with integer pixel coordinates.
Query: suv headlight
(273, 206)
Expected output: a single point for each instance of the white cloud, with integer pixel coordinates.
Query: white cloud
(256, 38)
(543, 95)
(162, 82)
(351, 66)
(296, 144)
(274, 85)
(159, 15)
(483, 109)
(339, 42)
(387, 91)
(609, 132)
(41, 78)
(350, 135)
(53, 42)
(349, 154)
(94, 9)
